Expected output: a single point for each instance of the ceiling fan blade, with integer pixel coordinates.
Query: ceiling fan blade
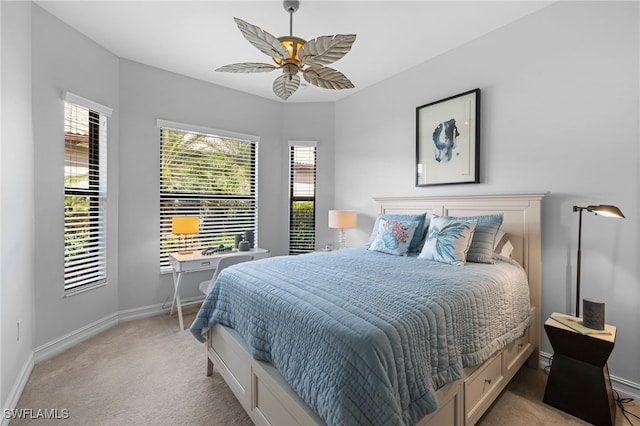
(327, 78)
(326, 49)
(262, 40)
(246, 67)
(285, 85)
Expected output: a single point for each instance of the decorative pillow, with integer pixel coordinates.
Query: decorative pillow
(503, 245)
(484, 237)
(448, 240)
(417, 236)
(393, 236)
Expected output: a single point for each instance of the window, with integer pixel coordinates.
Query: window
(302, 187)
(85, 193)
(210, 174)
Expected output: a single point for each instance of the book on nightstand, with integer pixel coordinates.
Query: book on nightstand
(576, 324)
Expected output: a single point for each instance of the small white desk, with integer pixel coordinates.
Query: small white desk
(196, 261)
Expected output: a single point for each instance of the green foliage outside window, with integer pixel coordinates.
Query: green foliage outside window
(210, 177)
(302, 232)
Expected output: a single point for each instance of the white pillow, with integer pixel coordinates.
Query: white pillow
(503, 245)
(448, 240)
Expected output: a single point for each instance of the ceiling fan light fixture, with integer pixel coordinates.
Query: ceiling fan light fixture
(293, 45)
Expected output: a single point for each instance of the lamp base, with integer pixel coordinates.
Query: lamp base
(593, 314)
(341, 239)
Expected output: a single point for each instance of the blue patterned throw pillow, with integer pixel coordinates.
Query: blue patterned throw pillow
(448, 240)
(414, 245)
(393, 236)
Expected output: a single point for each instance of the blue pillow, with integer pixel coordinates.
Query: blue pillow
(484, 237)
(393, 236)
(448, 240)
(417, 235)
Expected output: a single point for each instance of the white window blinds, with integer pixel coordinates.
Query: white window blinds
(210, 174)
(85, 137)
(302, 196)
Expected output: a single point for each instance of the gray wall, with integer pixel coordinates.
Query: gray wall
(140, 95)
(148, 94)
(299, 121)
(16, 198)
(65, 61)
(560, 113)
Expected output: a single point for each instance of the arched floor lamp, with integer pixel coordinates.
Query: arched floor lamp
(602, 210)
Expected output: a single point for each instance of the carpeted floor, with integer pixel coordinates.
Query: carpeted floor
(147, 372)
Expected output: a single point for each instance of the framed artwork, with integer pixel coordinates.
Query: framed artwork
(448, 140)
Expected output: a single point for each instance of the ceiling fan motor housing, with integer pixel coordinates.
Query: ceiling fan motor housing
(293, 45)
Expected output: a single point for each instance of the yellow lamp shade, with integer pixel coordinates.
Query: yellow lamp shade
(183, 225)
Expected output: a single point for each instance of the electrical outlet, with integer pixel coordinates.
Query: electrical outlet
(18, 331)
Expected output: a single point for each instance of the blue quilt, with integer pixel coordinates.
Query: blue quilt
(365, 337)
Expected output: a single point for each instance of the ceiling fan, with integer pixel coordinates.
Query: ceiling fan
(293, 54)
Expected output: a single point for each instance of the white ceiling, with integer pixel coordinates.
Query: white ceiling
(194, 38)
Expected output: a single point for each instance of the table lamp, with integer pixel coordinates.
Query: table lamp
(602, 210)
(183, 226)
(342, 219)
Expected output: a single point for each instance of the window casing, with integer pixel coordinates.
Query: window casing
(85, 193)
(211, 174)
(302, 196)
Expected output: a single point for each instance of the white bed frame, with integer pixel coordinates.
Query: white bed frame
(269, 400)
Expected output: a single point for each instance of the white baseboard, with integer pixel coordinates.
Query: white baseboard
(152, 310)
(624, 387)
(143, 312)
(71, 339)
(60, 344)
(18, 387)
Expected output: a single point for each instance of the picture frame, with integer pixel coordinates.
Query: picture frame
(448, 140)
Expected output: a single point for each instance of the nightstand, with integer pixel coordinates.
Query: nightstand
(579, 382)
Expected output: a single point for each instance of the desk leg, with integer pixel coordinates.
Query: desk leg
(175, 285)
(177, 277)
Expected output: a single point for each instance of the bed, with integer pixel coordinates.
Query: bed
(372, 343)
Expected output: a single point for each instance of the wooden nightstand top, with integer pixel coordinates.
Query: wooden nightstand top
(608, 334)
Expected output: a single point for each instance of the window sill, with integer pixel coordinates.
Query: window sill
(84, 288)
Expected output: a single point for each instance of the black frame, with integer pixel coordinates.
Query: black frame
(292, 199)
(213, 231)
(92, 193)
(440, 112)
